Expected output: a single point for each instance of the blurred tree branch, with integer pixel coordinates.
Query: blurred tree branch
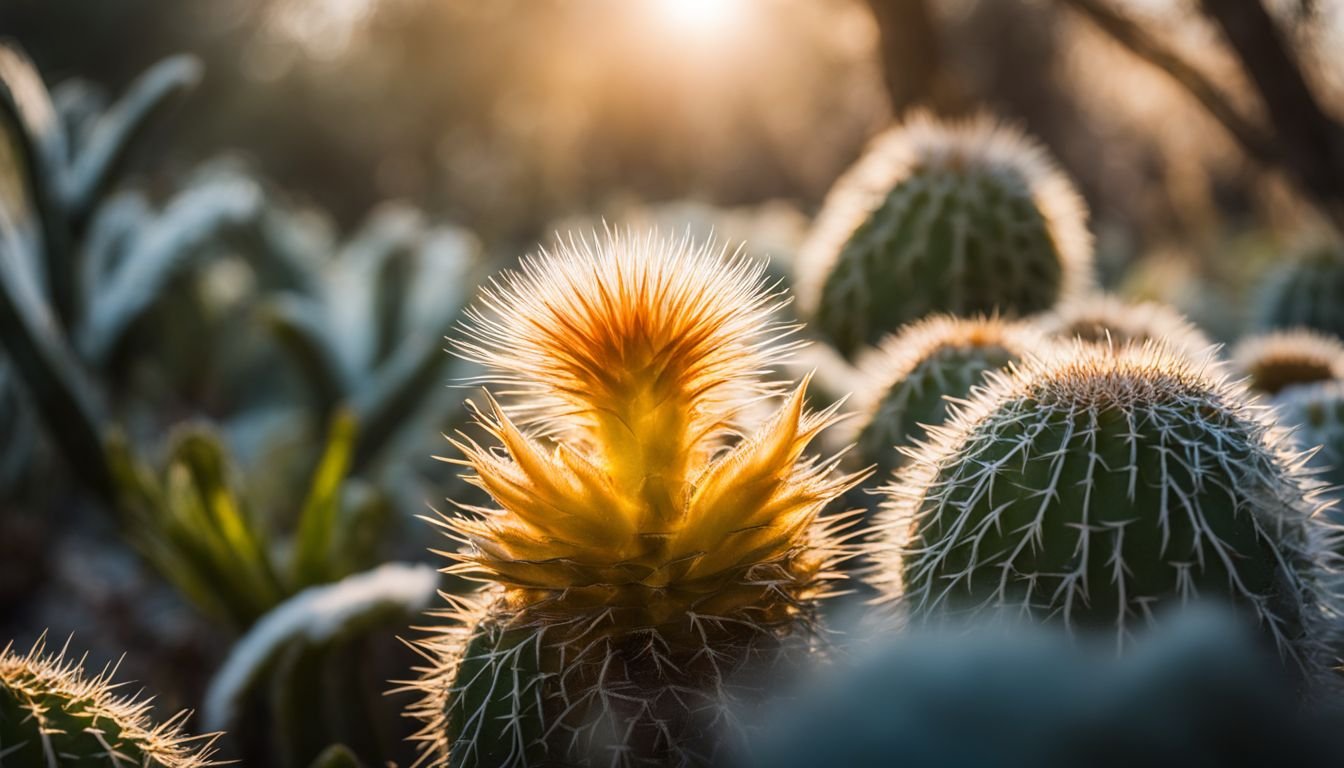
(913, 65)
(1302, 140)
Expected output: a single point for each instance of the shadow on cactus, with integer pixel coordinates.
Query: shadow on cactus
(959, 218)
(1099, 486)
(52, 713)
(652, 556)
(1103, 318)
(1308, 291)
(1274, 362)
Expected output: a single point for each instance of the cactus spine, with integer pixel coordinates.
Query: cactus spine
(52, 713)
(1103, 318)
(1308, 292)
(908, 379)
(959, 218)
(645, 564)
(1099, 485)
(1274, 362)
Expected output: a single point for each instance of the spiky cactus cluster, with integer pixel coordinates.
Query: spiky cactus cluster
(1315, 413)
(1307, 291)
(906, 380)
(1098, 486)
(960, 218)
(53, 714)
(1274, 362)
(648, 559)
(1102, 318)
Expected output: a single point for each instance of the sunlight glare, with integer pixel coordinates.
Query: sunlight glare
(698, 16)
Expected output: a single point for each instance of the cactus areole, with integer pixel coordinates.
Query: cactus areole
(1097, 487)
(649, 556)
(961, 218)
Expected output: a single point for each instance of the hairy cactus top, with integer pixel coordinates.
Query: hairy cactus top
(1276, 361)
(1308, 291)
(1101, 318)
(631, 504)
(908, 378)
(52, 713)
(1100, 484)
(964, 218)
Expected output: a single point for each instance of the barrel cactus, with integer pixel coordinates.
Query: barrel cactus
(649, 558)
(1098, 487)
(1315, 413)
(1307, 291)
(960, 218)
(1103, 318)
(52, 713)
(1274, 362)
(906, 380)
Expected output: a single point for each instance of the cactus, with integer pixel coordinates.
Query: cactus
(1100, 318)
(1315, 413)
(1308, 291)
(907, 380)
(1097, 486)
(1277, 361)
(52, 713)
(964, 219)
(647, 569)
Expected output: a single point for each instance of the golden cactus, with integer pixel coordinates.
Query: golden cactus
(646, 548)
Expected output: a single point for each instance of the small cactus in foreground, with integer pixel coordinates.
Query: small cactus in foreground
(1099, 485)
(1273, 362)
(53, 714)
(1307, 291)
(1102, 318)
(908, 378)
(964, 219)
(648, 562)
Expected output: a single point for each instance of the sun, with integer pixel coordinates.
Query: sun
(697, 16)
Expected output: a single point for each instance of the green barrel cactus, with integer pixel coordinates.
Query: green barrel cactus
(1103, 318)
(1315, 414)
(959, 218)
(1277, 361)
(907, 380)
(1307, 291)
(53, 714)
(1098, 487)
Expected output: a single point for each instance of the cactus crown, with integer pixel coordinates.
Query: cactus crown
(52, 712)
(642, 351)
(1276, 361)
(962, 218)
(1096, 483)
(1101, 318)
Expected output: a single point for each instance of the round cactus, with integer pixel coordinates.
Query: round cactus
(648, 562)
(907, 379)
(1274, 362)
(52, 713)
(1308, 291)
(1315, 413)
(959, 218)
(1102, 318)
(1099, 485)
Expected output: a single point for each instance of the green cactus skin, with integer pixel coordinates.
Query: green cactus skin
(1315, 413)
(1308, 292)
(544, 686)
(1100, 485)
(959, 218)
(52, 714)
(908, 379)
(1278, 361)
(1102, 318)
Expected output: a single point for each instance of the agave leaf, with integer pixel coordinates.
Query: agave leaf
(52, 378)
(26, 107)
(395, 392)
(79, 103)
(300, 324)
(115, 225)
(358, 279)
(116, 130)
(312, 555)
(192, 220)
(16, 423)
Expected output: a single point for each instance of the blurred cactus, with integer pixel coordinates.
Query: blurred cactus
(368, 329)
(959, 218)
(1308, 291)
(287, 691)
(909, 378)
(1315, 413)
(1273, 362)
(53, 714)
(647, 569)
(1097, 487)
(1101, 318)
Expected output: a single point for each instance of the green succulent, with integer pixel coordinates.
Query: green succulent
(1307, 291)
